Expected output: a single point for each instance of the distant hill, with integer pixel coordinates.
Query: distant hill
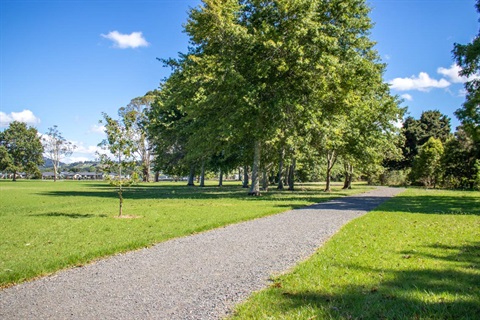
(88, 166)
(48, 163)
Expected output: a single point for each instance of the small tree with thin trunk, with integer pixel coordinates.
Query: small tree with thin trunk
(120, 165)
(56, 147)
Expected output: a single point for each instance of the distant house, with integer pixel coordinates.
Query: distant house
(163, 177)
(75, 175)
(48, 175)
(89, 176)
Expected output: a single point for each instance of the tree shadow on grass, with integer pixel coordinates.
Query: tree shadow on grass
(159, 192)
(352, 203)
(448, 293)
(69, 215)
(435, 204)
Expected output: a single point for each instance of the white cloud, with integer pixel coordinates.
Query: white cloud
(462, 93)
(97, 129)
(125, 41)
(452, 74)
(87, 150)
(26, 116)
(407, 97)
(83, 153)
(421, 83)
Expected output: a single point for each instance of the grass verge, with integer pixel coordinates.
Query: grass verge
(415, 257)
(47, 226)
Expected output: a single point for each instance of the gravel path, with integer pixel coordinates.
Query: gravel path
(196, 277)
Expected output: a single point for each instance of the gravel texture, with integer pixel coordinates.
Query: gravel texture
(196, 277)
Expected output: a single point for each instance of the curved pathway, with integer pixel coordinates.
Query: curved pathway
(196, 277)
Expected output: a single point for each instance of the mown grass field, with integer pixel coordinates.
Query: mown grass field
(415, 257)
(47, 226)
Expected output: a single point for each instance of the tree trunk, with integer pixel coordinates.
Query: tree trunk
(286, 175)
(120, 197)
(191, 177)
(55, 170)
(291, 175)
(202, 176)
(331, 158)
(245, 177)
(14, 176)
(146, 173)
(280, 170)
(327, 182)
(347, 184)
(239, 174)
(220, 178)
(350, 177)
(157, 176)
(255, 187)
(265, 180)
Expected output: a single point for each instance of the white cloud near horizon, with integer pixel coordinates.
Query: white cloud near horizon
(422, 82)
(87, 150)
(407, 97)
(83, 153)
(452, 74)
(125, 41)
(26, 116)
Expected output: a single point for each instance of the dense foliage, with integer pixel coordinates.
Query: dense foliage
(275, 84)
(20, 149)
(468, 58)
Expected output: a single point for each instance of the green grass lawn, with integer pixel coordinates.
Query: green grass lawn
(415, 257)
(47, 226)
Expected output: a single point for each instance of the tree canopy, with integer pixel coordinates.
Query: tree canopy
(21, 149)
(468, 58)
(266, 76)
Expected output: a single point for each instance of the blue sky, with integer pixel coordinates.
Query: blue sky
(65, 62)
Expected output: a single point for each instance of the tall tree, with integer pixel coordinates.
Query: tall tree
(136, 113)
(274, 60)
(24, 149)
(169, 127)
(56, 147)
(468, 58)
(261, 76)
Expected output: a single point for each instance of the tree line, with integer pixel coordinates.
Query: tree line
(434, 156)
(274, 87)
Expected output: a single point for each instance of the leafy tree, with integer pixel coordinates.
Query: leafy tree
(24, 149)
(459, 161)
(6, 160)
(168, 128)
(121, 162)
(265, 66)
(427, 165)
(468, 58)
(432, 123)
(56, 147)
(268, 78)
